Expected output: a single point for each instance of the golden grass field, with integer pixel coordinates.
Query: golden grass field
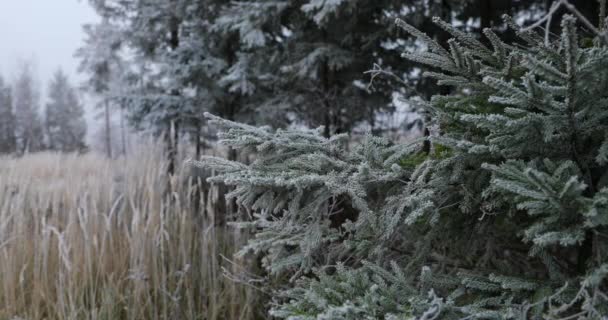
(85, 237)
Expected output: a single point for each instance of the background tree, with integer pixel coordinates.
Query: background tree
(8, 141)
(181, 61)
(29, 131)
(152, 30)
(314, 57)
(101, 61)
(64, 116)
(232, 63)
(280, 62)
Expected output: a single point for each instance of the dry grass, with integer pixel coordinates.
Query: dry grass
(83, 237)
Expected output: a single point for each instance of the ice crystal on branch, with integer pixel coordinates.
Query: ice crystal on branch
(505, 214)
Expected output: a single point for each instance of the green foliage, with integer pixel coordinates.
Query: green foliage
(506, 214)
(414, 160)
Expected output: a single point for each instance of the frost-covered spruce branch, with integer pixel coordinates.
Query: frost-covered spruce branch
(505, 217)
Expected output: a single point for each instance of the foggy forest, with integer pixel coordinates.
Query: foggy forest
(304, 159)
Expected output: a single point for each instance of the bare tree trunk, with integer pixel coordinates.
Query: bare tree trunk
(170, 148)
(173, 125)
(176, 127)
(123, 136)
(108, 133)
(327, 117)
(197, 141)
(231, 115)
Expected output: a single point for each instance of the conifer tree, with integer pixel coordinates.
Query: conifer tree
(195, 68)
(312, 71)
(266, 62)
(8, 141)
(64, 116)
(101, 61)
(315, 74)
(188, 65)
(29, 132)
(500, 213)
(164, 88)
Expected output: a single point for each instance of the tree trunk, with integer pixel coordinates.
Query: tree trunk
(122, 132)
(485, 14)
(231, 115)
(108, 133)
(325, 91)
(197, 139)
(326, 124)
(172, 135)
(170, 148)
(176, 128)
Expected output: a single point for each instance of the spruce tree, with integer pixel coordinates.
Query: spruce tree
(311, 70)
(101, 61)
(29, 131)
(500, 213)
(64, 116)
(8, 141)
(212, 70)
(169, 83)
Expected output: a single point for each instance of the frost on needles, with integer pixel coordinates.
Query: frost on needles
(504, 217)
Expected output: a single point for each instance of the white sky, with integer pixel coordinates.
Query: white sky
(47, 32)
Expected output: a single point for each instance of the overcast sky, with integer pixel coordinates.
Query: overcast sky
(45, 31)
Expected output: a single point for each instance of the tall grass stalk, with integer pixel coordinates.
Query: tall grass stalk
(84, 237)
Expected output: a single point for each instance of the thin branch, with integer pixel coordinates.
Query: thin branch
(585, 21)
(547, 17)
(377, 71)
(548, 29)
(581, 17)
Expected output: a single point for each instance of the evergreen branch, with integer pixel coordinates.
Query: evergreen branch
(433, 45)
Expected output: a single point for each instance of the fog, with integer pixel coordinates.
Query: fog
(46, 31)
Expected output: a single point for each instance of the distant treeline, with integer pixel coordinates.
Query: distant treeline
(24, 128)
